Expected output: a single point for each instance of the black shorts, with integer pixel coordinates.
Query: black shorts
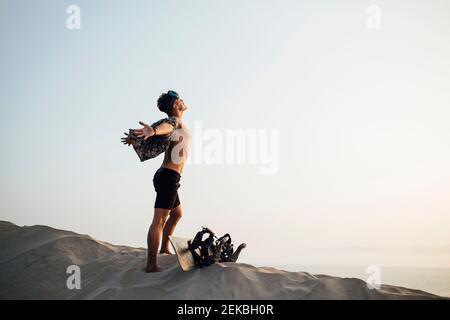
(166, 182)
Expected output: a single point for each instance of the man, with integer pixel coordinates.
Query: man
(168, 210)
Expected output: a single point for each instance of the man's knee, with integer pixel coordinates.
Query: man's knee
(176, 213)
(157, 224)
(159, 219)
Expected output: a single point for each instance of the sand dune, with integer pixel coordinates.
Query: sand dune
(34, 260)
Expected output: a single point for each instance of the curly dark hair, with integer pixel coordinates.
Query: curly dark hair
(164, 101)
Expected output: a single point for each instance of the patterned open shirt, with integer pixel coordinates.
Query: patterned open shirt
(155, 145)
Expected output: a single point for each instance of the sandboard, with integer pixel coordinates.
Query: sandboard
(184, 255)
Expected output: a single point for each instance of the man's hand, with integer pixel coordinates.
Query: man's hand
(145, 132)
(127, 139)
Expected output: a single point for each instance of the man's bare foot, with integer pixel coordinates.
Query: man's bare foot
(153, 269)
(166, 252)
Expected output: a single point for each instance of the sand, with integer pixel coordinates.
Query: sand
(34, 261)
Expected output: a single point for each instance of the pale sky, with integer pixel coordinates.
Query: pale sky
(363, 120)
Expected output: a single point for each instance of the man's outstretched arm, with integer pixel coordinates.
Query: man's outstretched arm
(147, 131)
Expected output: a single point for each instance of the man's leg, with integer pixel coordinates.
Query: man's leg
(169, 227)
(154, 236)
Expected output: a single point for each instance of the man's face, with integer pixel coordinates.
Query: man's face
(179, 105)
